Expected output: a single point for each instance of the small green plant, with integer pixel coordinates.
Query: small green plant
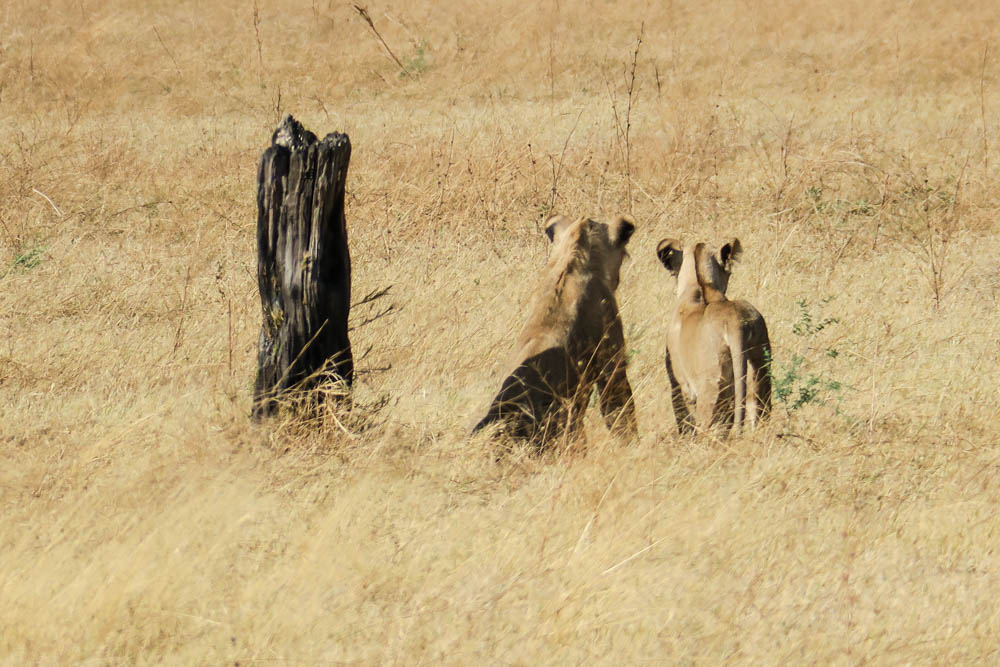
(841, 207)
(27, 258)
(860, 207)
(794, 386)
(418, 63)
(799, 383)
(815, 195)
(805, 326)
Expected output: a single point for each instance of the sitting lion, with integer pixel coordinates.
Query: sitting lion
(717, 350)
(573, 339)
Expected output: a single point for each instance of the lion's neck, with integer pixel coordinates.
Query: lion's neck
(705, 275)
(712, 295)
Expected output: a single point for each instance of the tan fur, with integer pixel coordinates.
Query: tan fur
(717, 349)
(573, 340)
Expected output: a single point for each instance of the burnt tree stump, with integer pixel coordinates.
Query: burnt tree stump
(303, 266)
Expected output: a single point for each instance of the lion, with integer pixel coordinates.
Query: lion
(573, 340)
(718, 350)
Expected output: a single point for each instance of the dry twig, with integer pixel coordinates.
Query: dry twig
(371, 24)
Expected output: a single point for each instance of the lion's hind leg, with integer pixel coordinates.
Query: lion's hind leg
(759, 376)
(753, 398)
(710, 407)
(682, 413)
(533, 400)
(516, 406)
(739, 374)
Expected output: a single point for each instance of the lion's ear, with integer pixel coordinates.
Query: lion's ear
(554, 223)
(730, 253)
(671, 255)
(622, 229)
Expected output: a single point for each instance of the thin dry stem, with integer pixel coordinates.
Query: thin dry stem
(363, 12)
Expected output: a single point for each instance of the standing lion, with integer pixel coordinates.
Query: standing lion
(718, 350)
(573, 339)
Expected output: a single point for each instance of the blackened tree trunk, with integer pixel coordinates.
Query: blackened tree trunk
(303, 266)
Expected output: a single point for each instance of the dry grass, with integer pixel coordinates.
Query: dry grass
(851, 146)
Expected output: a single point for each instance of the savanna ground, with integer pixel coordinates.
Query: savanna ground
(852, 147)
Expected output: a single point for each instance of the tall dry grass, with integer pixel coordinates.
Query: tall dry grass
(851, 146)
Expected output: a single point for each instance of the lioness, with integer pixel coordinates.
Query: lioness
(573, 339)
(717, 349)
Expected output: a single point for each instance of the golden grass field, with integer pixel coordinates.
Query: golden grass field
(852, 147)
